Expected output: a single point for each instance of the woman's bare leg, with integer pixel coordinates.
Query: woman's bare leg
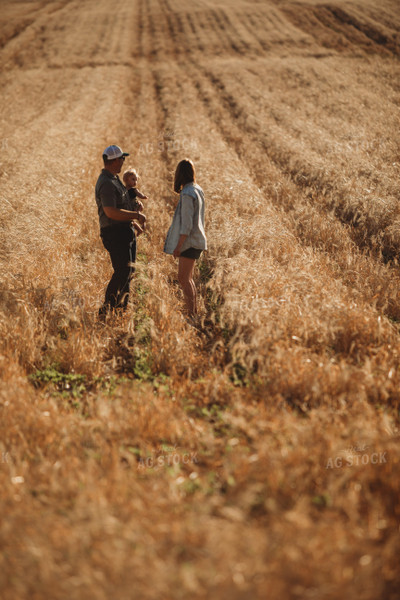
(185, 276)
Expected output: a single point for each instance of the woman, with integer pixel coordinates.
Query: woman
(186, 238)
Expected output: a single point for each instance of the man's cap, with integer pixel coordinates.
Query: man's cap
(114, 152)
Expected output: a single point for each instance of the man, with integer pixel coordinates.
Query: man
(116, 230)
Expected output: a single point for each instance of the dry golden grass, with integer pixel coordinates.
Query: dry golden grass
(257, 454)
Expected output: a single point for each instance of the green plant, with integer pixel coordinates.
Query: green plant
(64, 383)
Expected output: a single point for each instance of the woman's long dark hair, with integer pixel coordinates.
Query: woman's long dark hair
(184, 174)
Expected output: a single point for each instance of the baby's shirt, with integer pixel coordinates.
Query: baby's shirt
(132, 193)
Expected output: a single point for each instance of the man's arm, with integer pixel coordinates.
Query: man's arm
(120, 214)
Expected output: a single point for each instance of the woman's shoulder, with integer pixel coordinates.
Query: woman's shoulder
(191, 189)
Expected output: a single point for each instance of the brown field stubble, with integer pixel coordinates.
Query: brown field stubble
(256, 455)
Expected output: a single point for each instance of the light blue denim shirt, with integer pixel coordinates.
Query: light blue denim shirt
(188, 220)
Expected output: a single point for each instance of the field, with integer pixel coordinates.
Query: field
(255, 455)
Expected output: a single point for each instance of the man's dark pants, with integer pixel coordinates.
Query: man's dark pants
(120, 241)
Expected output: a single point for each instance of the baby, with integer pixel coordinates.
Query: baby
(130, 179)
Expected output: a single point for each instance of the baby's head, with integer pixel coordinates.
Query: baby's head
(130, 177)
